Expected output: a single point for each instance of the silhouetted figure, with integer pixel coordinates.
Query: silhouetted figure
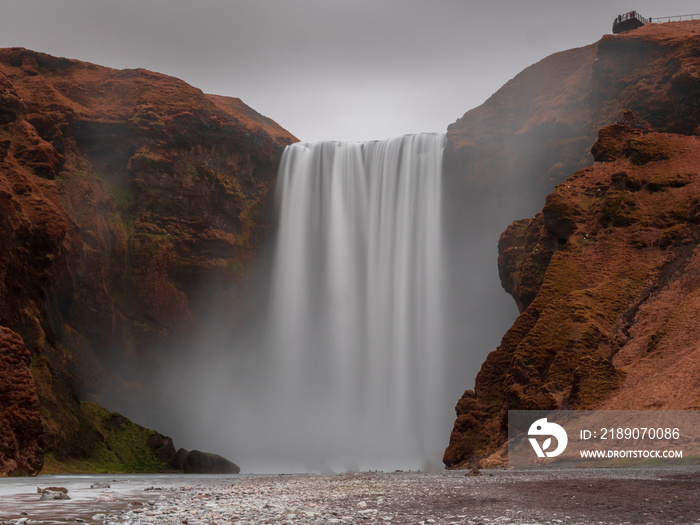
(628, 22)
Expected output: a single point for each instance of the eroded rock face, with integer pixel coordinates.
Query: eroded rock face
(607, 279)
(538, 128)
(505, 157)
(129, 202)
(21, 432)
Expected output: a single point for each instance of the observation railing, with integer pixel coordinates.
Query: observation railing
(677, 18)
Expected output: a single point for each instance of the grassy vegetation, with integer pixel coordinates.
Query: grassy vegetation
(123, 449)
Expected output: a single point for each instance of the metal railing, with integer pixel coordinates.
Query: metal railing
(677, 18)
(631, 15)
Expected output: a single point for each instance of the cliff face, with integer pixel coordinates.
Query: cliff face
(504, 157)
(125, 198)
(569, 347)
(539, 127)
(21, 432)
(607, 278)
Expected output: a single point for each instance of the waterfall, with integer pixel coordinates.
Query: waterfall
(355, 314)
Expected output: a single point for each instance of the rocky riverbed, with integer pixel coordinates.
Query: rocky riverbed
(614, 496)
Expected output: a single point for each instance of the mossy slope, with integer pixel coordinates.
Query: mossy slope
(121, 447)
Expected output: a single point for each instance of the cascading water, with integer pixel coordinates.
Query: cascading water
(356, 304)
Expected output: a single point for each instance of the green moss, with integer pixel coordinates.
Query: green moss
(122, 195)
(138, 184)
(562, 277)
(642, 152)
(148, 161)
(594, 379)
(236, 267)
(153, 236)
(674, 236)
(624, 181)
(681, 214)
(205, 170)
(124, 200)
(685, 80)
(123, 447)
(558, 216)
(656, 339)
(618, 209)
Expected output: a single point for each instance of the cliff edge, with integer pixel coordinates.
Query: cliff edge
(539, 127)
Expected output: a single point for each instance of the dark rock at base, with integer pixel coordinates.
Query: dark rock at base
(178, 461)
(205, 463)
(162, 446)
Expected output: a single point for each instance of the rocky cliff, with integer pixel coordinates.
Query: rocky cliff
(504, 157)
(125, 198)
(601, 275)
(607, 279)
(539, 127)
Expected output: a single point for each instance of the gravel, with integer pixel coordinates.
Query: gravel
(576, 496)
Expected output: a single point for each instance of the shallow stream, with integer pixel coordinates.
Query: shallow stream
(19, 498)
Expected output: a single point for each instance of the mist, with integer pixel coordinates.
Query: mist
(294, 381)
(316, 393)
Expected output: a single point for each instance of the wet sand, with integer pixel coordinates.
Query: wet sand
(575, 496)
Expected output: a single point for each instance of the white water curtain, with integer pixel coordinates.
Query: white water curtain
(355, 319)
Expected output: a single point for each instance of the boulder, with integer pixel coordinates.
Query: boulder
(52, 493)
(205, 463)
(162, 446)
(178, 460)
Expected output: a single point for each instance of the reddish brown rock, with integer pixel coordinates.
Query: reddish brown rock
(504, 157)
(21, 432)
(538, 128)
(607, 279)
(126, 197)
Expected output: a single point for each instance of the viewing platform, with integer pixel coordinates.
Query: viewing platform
(628, 22)
(633, 20)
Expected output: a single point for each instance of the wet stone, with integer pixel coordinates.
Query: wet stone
(499, 497)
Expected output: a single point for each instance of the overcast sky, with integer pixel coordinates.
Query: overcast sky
(326, 69)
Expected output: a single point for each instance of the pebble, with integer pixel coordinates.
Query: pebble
(372, 498)
(354, 498)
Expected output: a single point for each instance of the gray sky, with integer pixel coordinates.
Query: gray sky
(326, 69)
